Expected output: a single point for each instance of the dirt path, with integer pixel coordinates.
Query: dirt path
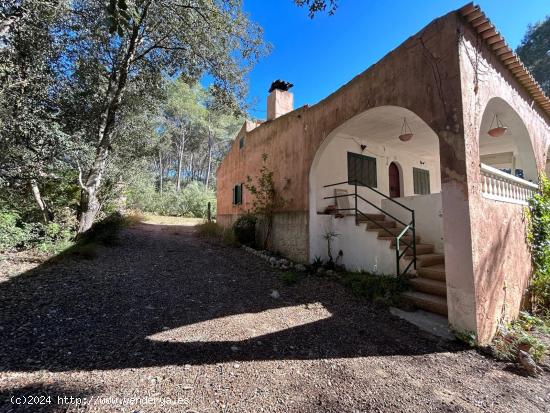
(181, 325)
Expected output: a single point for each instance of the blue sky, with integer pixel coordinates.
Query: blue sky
(322, 54)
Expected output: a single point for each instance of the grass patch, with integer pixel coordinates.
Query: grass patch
(169, 220)
(215, 232)
(380, 289)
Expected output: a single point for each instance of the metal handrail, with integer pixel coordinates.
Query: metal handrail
(355, 182)
(398, 239)
(368, 202)
(364, 215)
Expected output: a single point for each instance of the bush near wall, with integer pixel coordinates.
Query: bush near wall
(539, 240)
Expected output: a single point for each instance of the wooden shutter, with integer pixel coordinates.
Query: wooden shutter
(362, 168)
(421, 181)
(238, 194)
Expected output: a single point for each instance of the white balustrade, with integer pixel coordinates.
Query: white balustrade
(501, 186)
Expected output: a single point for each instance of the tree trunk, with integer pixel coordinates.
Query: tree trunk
(91, 207)
(209, 167)
(161, 172)
(46, 213)
(89, 202)
(180, 160)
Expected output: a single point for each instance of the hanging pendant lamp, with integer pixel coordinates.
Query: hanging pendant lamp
(499, 130)
(406, 132)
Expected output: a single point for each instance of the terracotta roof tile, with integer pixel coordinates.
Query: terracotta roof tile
(475, 17)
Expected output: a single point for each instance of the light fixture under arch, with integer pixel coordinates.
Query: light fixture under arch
(406, 132)
(499, 130)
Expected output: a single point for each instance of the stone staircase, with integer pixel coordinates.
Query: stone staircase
(428, 288)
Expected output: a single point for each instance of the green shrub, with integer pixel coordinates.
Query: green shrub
(214, 231)
(539, 240)
(12, 234)
(191, 201)
(467, 337)
(381, 289)
(15, 234)
(515, 337)
(245, 229)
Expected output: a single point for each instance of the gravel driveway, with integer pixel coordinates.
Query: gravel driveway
(164, 321)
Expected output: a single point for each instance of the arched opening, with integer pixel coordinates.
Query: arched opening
(394, 180)
(372, 140)
(512, 151)
(369, 148)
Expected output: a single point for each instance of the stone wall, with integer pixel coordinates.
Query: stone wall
(289, 234)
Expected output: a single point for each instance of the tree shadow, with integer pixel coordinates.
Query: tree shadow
(128, 306)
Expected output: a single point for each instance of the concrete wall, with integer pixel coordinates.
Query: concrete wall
(428, 217)
(362, 251)
(501, 263)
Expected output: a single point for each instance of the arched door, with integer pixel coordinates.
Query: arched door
(395, 181)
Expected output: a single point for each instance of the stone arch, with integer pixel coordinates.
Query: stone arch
(377, 128)
(513, 151)
(373, 133)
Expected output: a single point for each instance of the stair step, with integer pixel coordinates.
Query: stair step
(394, 230)
(420, 249)
(375, 217)
(433, 272)
(427, 260)
(385, 236)
(425, 285)
(428, 302)
(381, 224)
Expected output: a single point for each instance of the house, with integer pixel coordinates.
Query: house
(449, 127)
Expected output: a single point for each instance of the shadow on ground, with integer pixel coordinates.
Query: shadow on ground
(101, 313)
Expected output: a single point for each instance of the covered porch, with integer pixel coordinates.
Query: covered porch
(391, 176)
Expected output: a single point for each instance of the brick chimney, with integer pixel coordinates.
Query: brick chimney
(280, 100)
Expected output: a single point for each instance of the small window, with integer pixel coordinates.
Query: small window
(362, 169)
(238, 194)
(421, 180)
(241, 142)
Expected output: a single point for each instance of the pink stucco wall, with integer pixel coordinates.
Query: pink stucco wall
(501, 258)
(421, 75)
(487, 262)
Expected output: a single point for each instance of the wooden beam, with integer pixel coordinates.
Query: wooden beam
(474, 15)
(479, 21)
(484, 27)
(468, 8)
(508, 55)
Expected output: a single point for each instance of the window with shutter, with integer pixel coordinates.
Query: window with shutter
(362, 169)
(238, 194)
(421, 181)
